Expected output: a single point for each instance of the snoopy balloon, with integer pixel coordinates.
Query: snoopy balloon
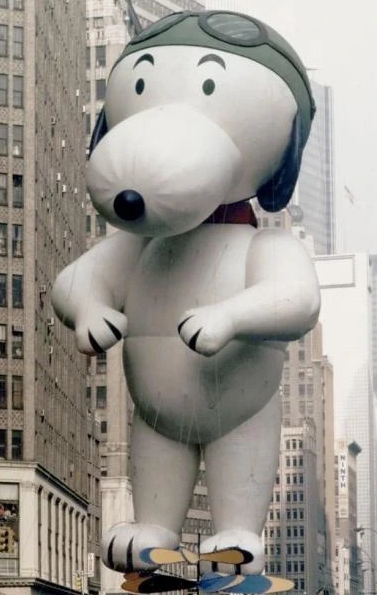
(203, 111)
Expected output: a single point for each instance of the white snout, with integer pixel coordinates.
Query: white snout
(181, 163)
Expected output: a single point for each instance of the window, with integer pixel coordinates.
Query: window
(100, 89)
(18, 190)
(101, 397)
(17, 445)
(88, 125)
(3, 89)
(100, 55)
(3, 290)
(3, 3)
(18, 91)
(3, 139)
(101, 363)
(3, 40)
(88, 398)
(87, 61)
(3, 391)
(3, 444)
(301, 390)
(98, 22)
(87, 91)
(17, 392)
(3, 239)
(17, 241)
(3, 189)
(17, 291)
(103, 427)
(100, 226)
(18, 4)
(18, 42)
(301, 355)
(3, 340)
(18, 140)
(17, 344)
(88, 225)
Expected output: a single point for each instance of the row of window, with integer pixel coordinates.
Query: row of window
(17, 42)
(17, 99)
(100, 56)
(16, 445)
(100, 362)
(294, 461)
(294, 478)
(296, 566)
(292, 514)
(17, 341)
(101, 397)
(17, 291)
(294, 444)
(99, 227)
(202, 526)
(17, 140)
(16, 397)
(17, 190)
(17, 240)
(301, 355)
(295, 531)
(15, 4)
(303, 389)
(293, 496)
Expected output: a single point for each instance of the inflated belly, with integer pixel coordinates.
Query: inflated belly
(195, 399)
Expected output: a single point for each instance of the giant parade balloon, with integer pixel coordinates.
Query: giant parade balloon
(203, 112)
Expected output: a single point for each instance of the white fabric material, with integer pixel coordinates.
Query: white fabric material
(236, 295)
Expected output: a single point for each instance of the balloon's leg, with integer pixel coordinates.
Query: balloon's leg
(163, 478)
(240, 473)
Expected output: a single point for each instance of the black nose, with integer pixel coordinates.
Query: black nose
(129, 205)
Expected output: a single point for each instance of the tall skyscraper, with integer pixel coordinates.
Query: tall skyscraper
(346, 315)
(48, 443)
(315, 187)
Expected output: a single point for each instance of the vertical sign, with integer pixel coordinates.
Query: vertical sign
(343, 484)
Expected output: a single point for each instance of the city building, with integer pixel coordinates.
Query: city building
(49, 468)
(346, 317)
(349, 575)
(315, 188)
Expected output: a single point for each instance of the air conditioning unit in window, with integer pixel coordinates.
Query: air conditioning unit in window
(58, 176)
(63, 143)
(64, 188)
(50, 321)
(53, 121)
(42, 289)
(50, 350)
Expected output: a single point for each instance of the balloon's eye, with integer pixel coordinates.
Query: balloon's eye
(140, 86)
(208, 87)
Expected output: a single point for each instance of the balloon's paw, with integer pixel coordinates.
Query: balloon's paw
(206, 330)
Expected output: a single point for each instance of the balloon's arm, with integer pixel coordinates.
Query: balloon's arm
(282, 298)
(280, 302)
(89, 294)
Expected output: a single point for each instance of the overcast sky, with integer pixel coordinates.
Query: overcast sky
(339, 39)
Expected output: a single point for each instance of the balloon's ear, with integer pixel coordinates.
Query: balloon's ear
(100, 129)
(276, 193)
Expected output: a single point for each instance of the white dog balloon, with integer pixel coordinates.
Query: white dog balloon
(203, 111)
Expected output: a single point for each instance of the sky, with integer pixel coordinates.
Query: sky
(338, 40)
